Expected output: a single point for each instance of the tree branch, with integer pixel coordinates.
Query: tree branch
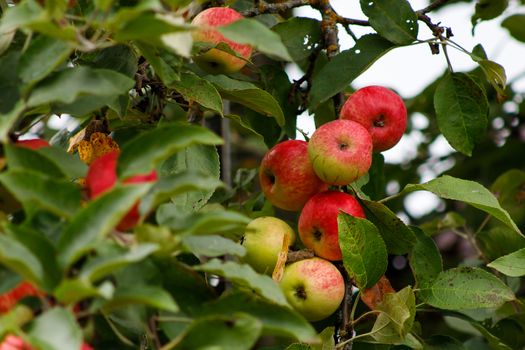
(264, 7)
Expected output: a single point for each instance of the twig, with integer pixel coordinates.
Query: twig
(264, 7)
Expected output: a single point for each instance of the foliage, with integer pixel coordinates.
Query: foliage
(177, 281)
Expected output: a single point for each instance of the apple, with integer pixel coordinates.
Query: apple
(375, 294)
(13, 342)
(9, 299)
(318, 227)
(381, 111)
(102, 176)
(214, 60)
(263, 241)
(32, 143)
(314, 287)
(340, 152)
(286, 175)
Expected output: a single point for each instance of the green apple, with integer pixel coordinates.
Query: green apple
(314, 287)
(263, 241)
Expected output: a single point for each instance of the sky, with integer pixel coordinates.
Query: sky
(408, 70)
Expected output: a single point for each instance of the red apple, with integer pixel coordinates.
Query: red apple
(263, 241)
(9, 299)
(32, 143)
(287, 177)
(102, 176)
(314, 287)
(340, 152)
(217, 61)
(375, 294)
(381, 111)
(13, 342)
(318, 222)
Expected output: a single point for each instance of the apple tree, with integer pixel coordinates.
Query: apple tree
(132, 134)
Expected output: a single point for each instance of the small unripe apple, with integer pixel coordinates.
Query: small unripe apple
(102, 176)
(375, 294)
(318, 227)
(286, 175)
(340, 152)
(263, 240)
(214, 60)
(32, 143)
(381, 111)
(314, 287)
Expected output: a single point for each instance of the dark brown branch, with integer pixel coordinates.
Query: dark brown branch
(264, 7)
(433, 6)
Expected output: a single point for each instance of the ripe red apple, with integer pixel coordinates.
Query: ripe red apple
(263, 240)
(217, 61)
(340, 152)
(13, 342)
(314, 287)
(9, 299)
(318, 222)
(32, 143)
(381, 111)
(102, 176)
(375, 294)
(286, 175)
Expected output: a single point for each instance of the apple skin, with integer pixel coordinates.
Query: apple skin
(340, 152)
(314, 287)
(102, 176)
(217, 61)
(381, 111)
(318, 227)
(13, 342)
(32, 143)
(9, 299)
(286, 175)
(263, 241)
(374, 295)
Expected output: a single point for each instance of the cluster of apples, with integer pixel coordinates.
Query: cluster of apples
(298, 175)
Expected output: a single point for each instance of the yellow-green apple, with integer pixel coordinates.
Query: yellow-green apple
(214, 60)
(263, 240)
(381, 111)
(314, 287)
(318, 222)
(340, 151)
(32, 143)
(286, 175)
(102, 176)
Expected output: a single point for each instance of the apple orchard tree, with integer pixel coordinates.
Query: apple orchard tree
(129, 229)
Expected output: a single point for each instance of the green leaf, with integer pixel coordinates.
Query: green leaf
(364, 252)
(466, 288)
(488, 9)
(21, 158)
(195, 89)
(96, 220)
(245, 276)
(224, 222)
(510, 189)
(68, 85)
(495, 74)
(20, 259)
(461, 111)
(443, 342)
(257, 35)
(338, 73)
(498, 241)
(196, 159)
(212, 246)
(9, 90)
(152, 296)
(514, 24)
(105, 265)
(300, 35)
(43, 330)
(70, 165)
(119, 58)
(425, 260)
(511, 265)
(237, 333)
(43, 55)
(399, 239)
(470, 192)
(60, 197)
(144, 152)
(392, 19)
(396, 319)
(248, 95)
(166, 65)
(72, 291)
(185, 184)
(276, 320)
